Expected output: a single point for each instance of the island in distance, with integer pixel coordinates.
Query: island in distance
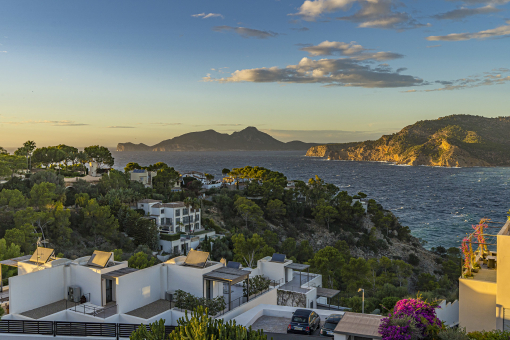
(249, 139)
(452, 141)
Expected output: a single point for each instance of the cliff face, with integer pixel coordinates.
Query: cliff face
(210, 140)
(453, 141)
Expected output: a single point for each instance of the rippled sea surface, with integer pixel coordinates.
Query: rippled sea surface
(439, 204)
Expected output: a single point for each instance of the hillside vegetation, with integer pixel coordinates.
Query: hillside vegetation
(452, 141)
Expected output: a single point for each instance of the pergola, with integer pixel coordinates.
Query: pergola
(231, 276)
(327, 293)
(300, 267)
(11, 263)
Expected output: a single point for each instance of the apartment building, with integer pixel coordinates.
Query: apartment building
(173, 217)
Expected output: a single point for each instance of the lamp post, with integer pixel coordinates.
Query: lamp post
(363, 300)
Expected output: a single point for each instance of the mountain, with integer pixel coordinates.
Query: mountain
(452, 141)
(249, 139)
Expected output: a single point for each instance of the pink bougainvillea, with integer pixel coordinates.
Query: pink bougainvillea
(422, 313)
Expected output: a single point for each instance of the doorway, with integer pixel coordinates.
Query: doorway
(109, 291)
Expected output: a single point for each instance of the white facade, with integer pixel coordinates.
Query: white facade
(143, 176)
(173, 217)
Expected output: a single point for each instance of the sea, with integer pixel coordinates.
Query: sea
(440, 205)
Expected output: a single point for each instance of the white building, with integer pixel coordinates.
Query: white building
(143, 176)
(173, 217)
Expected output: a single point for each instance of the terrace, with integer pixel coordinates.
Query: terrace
(481, 264)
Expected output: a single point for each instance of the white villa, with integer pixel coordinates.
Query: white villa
(143, 176)
(484, 300)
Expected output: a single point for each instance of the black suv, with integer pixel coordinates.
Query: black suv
(330, 324)
(304, 321)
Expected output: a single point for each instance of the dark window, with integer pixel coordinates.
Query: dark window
(168, 221)
(185, 211)
(178, 212)
(162, 221)
(177, 220)
(191, 218)
(329, 325)
(162, 211)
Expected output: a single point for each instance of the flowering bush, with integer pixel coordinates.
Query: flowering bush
(414, 313)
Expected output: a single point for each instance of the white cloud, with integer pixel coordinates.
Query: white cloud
(329, 72)
(208, 15)
(50, 122)
(491, 33)
(373, 13)
(246, 32)
(352, 49)
(464, 12)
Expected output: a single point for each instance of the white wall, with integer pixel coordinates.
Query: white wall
(268, 298)
(272, 270)
(138, 289)
(249, 317)
(188, 279)
(448, 312)
(37, 289)
(89, 281)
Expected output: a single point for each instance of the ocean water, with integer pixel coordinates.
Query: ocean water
(440, 205)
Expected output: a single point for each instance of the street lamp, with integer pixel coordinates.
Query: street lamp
(363, 300)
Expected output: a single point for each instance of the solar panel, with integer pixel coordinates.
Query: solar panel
(196, 258)
(99, 259)
(232, 264)
(278, 258)
(42, 255)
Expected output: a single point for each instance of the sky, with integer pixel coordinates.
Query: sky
(103, 72)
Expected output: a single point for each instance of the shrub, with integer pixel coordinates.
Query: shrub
(453, 334)
(257, 284)
(423, 314)
(184, 300)
(492, 335)
(413, 260)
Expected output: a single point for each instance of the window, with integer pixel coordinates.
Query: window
(168, 221)
(176, 249)
(141, 205)
(197, 225)
(185, 211)
(177, 229)
(177, 212)
(191, 218)
(162, 221)
(171, 229)
(162, 211)
(185, 219)
(177, 220)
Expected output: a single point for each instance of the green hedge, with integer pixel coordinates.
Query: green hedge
(166, 237)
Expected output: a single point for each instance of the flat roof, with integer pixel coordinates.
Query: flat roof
(298, 266)
(357, 324)
(326, 292)
(118, 273)
(148, 200)
(228, 274)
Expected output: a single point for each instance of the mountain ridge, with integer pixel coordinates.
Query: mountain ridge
(248, 139)
(451, 141)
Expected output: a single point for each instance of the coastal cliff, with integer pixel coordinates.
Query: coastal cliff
(452, 141)
(249, 139)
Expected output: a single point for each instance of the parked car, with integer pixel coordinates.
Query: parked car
(304, 321)
(330, 324)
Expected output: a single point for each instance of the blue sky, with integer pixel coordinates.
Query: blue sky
(88, 72)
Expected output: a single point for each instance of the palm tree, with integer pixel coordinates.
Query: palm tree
(30, 146)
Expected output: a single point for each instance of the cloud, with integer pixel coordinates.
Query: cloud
(329, 72)
(120, 127)
(208, 15)
(50, 122)
(408, 91)
(495, 77)
(490, 2)
(3, 51)
(358, 52)
(491, 33)
(247, 32)
(300, 29)
(166, 124)
(373, 13)
(433, 46)
(464, 12)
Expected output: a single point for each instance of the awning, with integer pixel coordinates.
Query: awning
(297, 266)
(326, 292)
(118, 273)
(227, 275)
(14, 262)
